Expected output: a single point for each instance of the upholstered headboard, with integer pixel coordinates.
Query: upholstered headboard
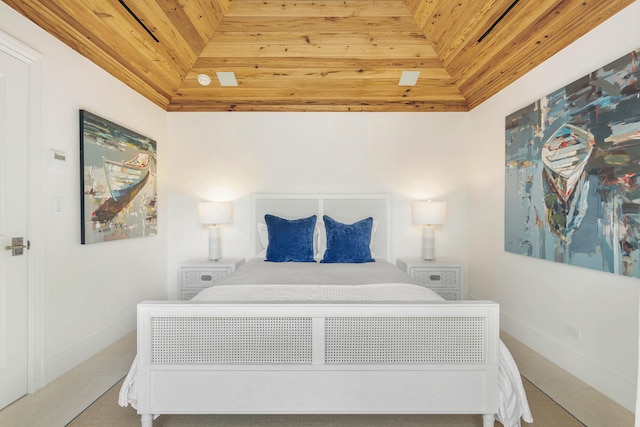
(345, 208)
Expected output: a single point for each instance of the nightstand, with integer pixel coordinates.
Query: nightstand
(198, 274)
(443, 277)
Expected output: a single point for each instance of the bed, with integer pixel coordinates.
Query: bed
(327, 332)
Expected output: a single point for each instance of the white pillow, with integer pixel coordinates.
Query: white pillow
(263, 235)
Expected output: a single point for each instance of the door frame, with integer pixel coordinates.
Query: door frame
(36, 230)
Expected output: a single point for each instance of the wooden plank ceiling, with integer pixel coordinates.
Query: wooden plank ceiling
(318, 55)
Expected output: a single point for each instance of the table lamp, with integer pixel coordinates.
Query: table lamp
(428, 214)
(214, 214)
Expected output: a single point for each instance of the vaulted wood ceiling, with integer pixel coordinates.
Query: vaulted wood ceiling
(318, 55)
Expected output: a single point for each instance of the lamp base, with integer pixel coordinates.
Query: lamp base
(214, 243)
(428, 244)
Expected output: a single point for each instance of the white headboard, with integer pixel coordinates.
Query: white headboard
(345, 208)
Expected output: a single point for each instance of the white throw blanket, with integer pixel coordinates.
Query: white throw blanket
(513, 400)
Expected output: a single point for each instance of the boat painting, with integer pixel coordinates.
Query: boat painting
(572, 172)
(108, 210)
(565, 155)
(124, 177)
(119, 195)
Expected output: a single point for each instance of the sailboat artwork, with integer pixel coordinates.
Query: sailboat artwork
(572, 172)
(124, 177)
(565, 154)
(119, 181)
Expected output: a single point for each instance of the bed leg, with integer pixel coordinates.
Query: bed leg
(146, 420)
(488, 420)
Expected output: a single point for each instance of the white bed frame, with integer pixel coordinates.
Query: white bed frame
(408, 358)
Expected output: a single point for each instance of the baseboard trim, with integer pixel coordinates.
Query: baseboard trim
(589, 405)
(83, 349)
(63, 399)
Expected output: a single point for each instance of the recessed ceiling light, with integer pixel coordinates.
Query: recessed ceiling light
(409, 78)
(204, 80)
(227, 78)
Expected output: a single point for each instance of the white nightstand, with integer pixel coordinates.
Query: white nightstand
(197, 274)
(443, 277)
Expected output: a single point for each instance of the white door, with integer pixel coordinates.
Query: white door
(14, 148)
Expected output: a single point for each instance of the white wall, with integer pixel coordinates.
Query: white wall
(218, 156)
(540, 299)
(90, 292)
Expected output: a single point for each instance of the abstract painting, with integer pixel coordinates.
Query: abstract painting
(572, 172)
(118, 181)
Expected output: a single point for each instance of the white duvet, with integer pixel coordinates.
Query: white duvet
(259, 281)
(379, 292)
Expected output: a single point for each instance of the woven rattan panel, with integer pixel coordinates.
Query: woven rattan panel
(231, 341)
(409, 340)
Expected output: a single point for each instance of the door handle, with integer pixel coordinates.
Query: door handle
(17, 246)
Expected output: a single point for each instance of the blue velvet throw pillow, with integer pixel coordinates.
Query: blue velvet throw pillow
(290, 239)
(348, 242)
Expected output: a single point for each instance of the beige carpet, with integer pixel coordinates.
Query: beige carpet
(106, 412)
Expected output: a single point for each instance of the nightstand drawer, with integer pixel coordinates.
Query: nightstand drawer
(443, 277)
(440, 277)
(196, 275)
(199, 279)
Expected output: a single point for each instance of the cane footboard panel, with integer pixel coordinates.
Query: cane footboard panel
(439, 357)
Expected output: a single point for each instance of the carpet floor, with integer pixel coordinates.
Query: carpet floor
(106, 412)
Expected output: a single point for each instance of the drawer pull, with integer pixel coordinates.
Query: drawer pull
(435, 277)
(206, 277)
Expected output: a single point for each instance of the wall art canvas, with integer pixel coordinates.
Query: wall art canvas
(572, 184)
(118, 181)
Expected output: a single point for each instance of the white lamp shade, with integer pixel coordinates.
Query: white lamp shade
(214, 212)
(429, 213)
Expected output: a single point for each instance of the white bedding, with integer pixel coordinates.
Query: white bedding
(383, 292)
(260, 281)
